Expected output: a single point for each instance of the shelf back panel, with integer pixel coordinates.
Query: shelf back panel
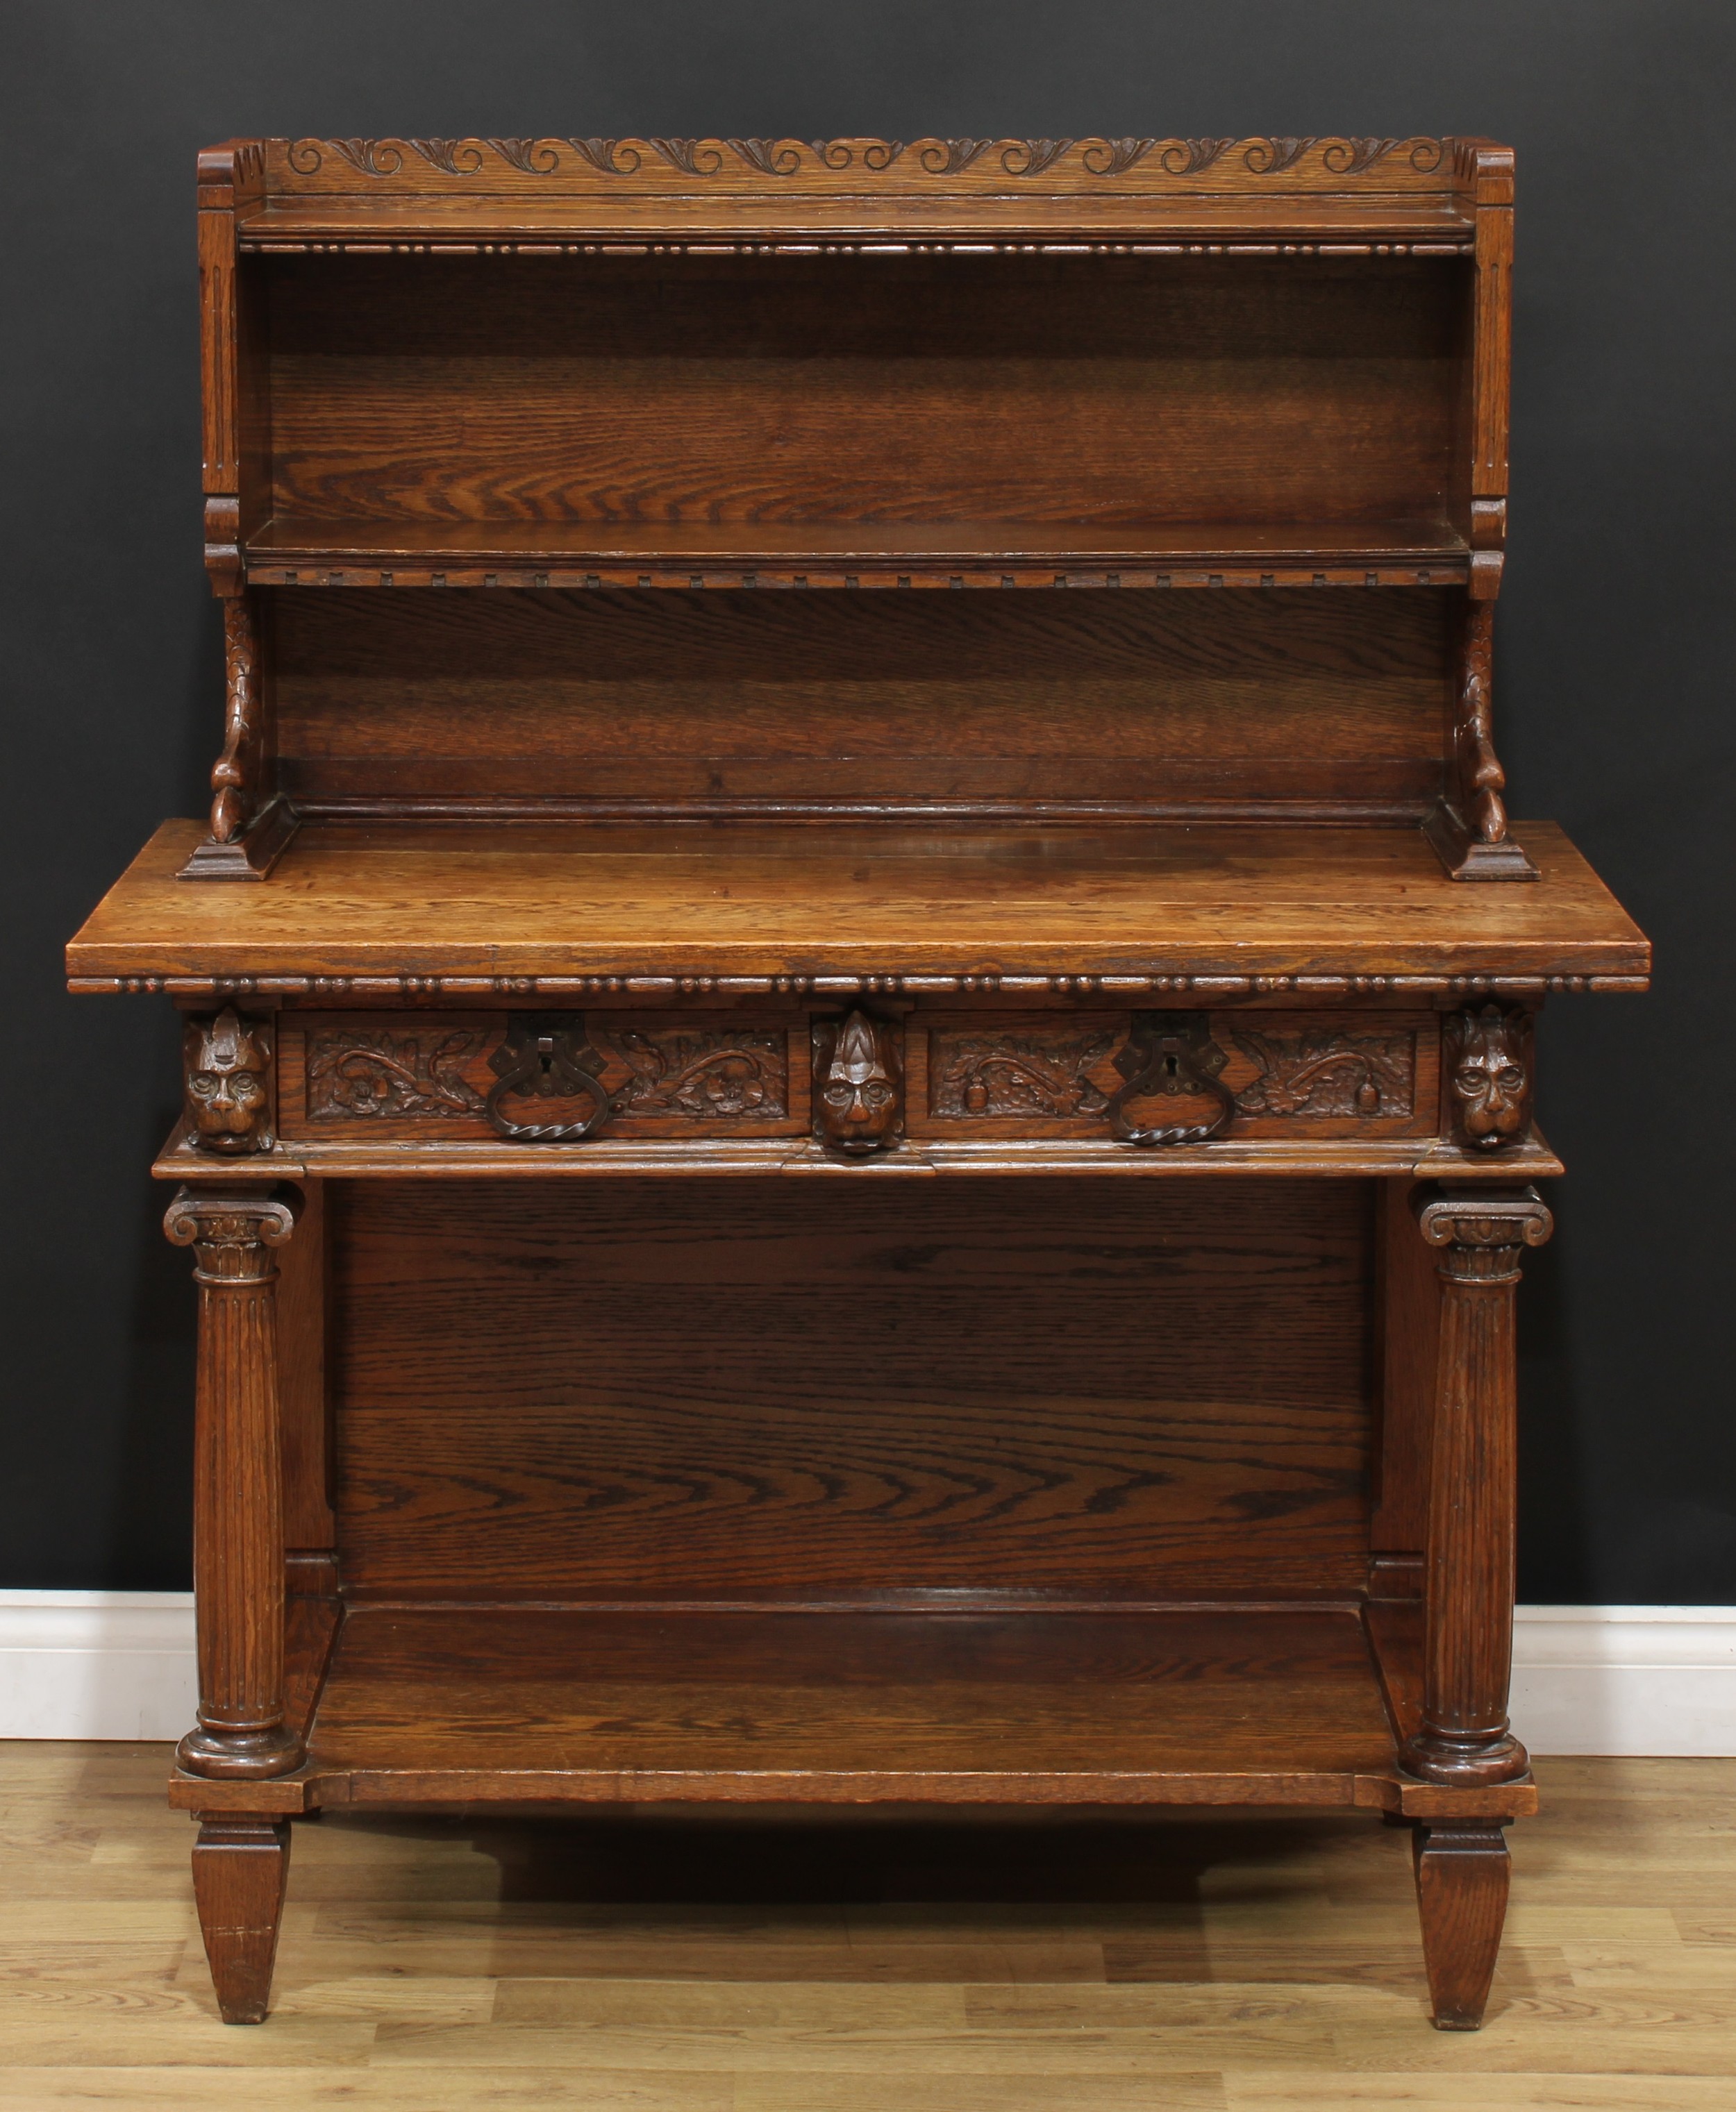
(695, 1390)
(424, 391)
(1302, 696)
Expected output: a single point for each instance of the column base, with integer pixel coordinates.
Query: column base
(240, 1755)
(1433, 1756)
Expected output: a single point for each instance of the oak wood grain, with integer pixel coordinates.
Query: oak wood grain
(850, 1390)
(1253, 697)
(860, 389)
(360, 899)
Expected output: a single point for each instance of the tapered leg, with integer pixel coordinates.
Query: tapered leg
(238, 1541)
(1461, 1892)
(1464, 1740)
(239, 1869)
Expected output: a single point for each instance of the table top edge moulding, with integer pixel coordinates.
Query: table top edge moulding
(655, 1050)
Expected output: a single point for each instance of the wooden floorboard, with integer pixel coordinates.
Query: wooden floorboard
(660, 1964)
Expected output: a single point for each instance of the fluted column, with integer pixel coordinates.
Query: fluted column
(238, 1550)
(1464, 1739)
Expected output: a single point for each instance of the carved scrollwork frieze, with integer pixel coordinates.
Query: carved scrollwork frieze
(987, 160)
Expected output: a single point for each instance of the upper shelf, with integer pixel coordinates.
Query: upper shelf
(854, 193)
(291, 552)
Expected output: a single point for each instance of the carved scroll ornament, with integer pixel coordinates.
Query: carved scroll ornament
(353, 1073)
(987, 160)
(706, 1076)
(1480, 774)
(1038, 1071)
(1488, 1076)
(1320, 1073)
(229, 1097)
(858, 1084)
(234, 774)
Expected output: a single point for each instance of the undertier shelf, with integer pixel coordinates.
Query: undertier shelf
(1278, 1707)
(291, 552)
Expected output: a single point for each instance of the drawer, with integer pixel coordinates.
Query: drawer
(350, 1076)
(1276, 1074)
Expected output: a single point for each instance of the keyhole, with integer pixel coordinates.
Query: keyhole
(1170, 1068)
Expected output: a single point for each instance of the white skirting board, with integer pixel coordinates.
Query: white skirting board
(1656, 1680)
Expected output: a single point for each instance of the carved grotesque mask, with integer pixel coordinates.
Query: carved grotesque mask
(1488, 1077)
(859, 1095)
(227, 1086)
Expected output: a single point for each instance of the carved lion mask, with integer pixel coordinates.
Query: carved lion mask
(1488, 1076)
(226, 1086)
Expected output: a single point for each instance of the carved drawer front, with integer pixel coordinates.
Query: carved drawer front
(1139, 1077)
(554, 1076)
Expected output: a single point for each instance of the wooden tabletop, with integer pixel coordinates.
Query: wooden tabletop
(1213, 900)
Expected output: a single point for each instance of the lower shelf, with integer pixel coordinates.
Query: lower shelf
(1249, 1706)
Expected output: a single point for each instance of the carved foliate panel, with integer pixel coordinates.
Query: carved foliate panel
(724, 1075)
(354, 1077)
(1311, 1073)
(1030, 1071)
(352, 1072)
(228, 1068)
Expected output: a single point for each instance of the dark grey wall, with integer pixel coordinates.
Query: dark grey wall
(1614, 636)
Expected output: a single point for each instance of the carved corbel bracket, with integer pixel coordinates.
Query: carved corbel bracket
(546, 1057)
(223, 559)
(1469, 829)
(249, 832)
(1487, 1066)
(1171, 1053)
(858, 1084)
(228, 1068)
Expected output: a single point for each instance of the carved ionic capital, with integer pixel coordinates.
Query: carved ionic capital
(228, 1064)
(232, 1230)
(1481, 1232)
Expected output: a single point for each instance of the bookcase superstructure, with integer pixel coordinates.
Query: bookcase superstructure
(791, 707)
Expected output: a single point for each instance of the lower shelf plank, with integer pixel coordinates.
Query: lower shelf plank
(1254, 1708)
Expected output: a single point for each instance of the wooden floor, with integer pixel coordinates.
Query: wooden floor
(667, 1967)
